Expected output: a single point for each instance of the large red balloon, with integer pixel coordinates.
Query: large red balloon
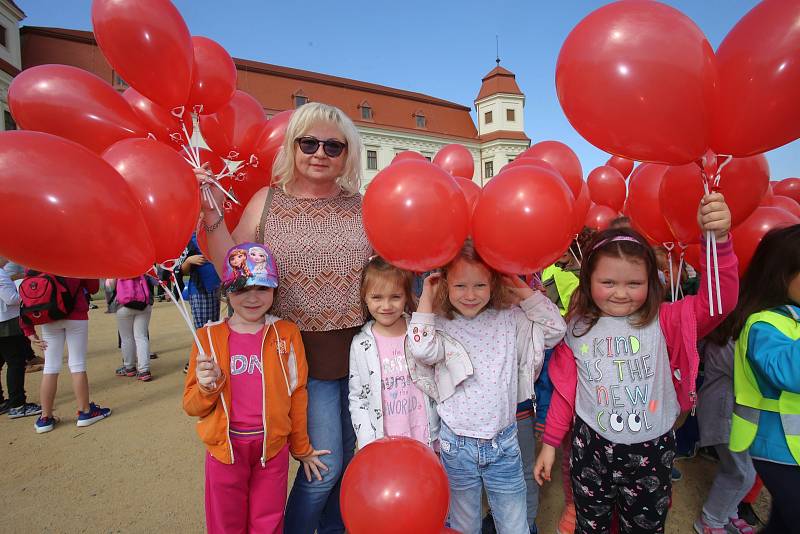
(164, 126)
(523, 221)
(692, 256)
(582, 205)
(679, 197)
(784, 203)
(408, 154)
(215, 163)
(247, 181)
(607, 187)
(233, 130)
(562, 158)
(68, 212)
(758, 66)
(788, 187)
(213, 76)
(643, 206)
(599, 217)
(530, 160)
(748, 235)
(271, 138)
(166, 189)
(74, 104)
(148, 44)
(744, 182)
(412, 496)
(471, 190)
(456, 159)
(432, 206)
(623, 165)
(637, 80)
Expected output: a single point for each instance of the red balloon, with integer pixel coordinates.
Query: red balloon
(692, 256)
(233, 130)
(413, 496)
(68, 212)
(455, 159)
(247, 181)
(788, 187)
(271, 138)
(513, 209)
(431, 204)
(215, 163)
(446, 530)
(408, 154)
(623, 165)
(748, 235)
(679, 197)
(744, 182)
(607, 187)
(166, 189)
(784, 203)
(471, 190)
(599, 217)
(758, 65)
(213, 77)
(531, 161)
(164, 126)
(74, 104)
(643, 205)
(148, 44)
(582, 205)
(563, 159)
(637, 79)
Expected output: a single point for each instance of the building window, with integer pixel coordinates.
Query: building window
(8, 121)
(511, 159)
(488, 169)
(300, 100)
(487, 117)
(510, 115)
(118, 82)
(420, 120)
(372, 160)
(366, 112)
(3, 36)
(427, 156)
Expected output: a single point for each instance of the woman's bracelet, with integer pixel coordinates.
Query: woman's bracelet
(213, 226)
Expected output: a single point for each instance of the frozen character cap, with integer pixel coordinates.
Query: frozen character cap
(249, 264)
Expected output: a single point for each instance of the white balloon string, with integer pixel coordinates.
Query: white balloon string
(180, 306)
(195, 134)
(711, 243)
(716, 272)
(718, 175)
(577, 244)
(668, 247)
(574, 256)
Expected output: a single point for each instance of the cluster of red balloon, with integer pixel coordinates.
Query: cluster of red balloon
(440, 205)
(660, 94)
(142, 133)
(412, 496)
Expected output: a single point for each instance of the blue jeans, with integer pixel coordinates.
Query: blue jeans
(493, 464)
(315, 505)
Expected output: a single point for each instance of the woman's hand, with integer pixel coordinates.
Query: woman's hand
(39, 343)
(207, 372)
(429, 287)
(312, 464)
(207, 208)
(714, 216)
(544, 463)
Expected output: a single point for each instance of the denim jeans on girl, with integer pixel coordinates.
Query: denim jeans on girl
(494, 464)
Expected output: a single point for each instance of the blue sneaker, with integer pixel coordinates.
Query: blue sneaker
(44, 424)
(93, 415)
(26, 410)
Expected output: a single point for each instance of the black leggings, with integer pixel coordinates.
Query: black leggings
(783, 483)
(14, 351)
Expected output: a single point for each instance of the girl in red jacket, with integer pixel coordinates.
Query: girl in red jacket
(624, 372)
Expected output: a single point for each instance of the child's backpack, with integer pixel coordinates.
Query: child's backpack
(133, 293)
(44, 298)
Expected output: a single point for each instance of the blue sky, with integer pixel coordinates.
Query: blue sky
(438, 47)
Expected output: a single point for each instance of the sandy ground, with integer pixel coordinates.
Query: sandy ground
(141, 470)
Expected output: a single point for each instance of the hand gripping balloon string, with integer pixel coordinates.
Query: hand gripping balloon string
(211, 180)
(669, 246)
(712, 266)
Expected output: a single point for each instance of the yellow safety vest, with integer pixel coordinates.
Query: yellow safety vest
(750, 402)
(566, 283)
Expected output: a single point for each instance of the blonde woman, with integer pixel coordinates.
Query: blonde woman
(312, 222)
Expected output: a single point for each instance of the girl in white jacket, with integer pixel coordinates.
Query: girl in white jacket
(384, 401)
(471, 309)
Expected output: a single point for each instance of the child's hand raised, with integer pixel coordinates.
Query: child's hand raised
(312, 464)
(429, 287)
(518, 288)
(714, 216)
(207, 371)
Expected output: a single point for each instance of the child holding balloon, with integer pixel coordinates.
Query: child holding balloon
(625, 371)
(465, 314)
(383, 398)
(247, 384)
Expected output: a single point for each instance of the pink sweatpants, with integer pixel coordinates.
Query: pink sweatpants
(244, 497)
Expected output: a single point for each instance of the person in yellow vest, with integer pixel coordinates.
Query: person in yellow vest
(561, 279)
(766, 414)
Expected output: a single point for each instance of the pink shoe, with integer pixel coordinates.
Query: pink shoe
(739, 526)
(701, 527)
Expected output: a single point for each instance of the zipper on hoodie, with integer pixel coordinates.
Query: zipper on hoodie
(264, 394)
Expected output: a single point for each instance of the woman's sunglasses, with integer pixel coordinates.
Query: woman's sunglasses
(309, 145)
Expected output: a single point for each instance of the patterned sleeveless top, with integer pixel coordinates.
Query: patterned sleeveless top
(321, 248)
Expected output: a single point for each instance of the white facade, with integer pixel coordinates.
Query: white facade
(10, 17)
(499, 112)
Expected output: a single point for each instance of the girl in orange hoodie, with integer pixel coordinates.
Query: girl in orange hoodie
(247, 384)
